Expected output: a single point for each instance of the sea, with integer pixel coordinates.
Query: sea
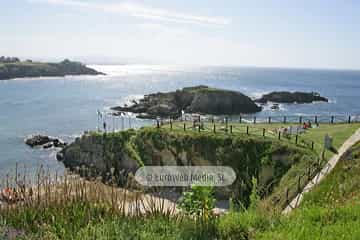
(65, 107)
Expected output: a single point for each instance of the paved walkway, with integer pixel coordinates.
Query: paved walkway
(325, 171)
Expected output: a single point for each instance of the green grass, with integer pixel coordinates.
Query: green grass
(84, 220)
(341, 185)
(330, 211)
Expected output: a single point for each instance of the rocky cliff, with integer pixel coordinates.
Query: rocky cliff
(199, 99)
(126, 151)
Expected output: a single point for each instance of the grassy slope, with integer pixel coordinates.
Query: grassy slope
(330, 211)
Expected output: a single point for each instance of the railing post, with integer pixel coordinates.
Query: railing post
(299, 184)
(287, 196)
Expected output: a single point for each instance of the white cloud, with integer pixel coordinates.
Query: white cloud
(141, 11)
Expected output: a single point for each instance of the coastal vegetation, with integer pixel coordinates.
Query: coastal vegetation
(93, 207)
(14, 68)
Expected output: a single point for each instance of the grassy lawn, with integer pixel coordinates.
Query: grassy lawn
(339, 132)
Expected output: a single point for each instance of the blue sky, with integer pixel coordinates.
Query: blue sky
(305, 34)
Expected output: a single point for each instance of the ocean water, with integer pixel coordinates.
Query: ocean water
(67, 106)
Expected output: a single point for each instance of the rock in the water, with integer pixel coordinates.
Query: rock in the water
(44, 141)
(199, 99)
(38, 140)
(291, 97)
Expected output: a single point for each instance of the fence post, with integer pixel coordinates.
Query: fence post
(296, 139)
(287, 196)
(264, 132)
(300, 119)
(214, 128)
(247, 130)
(231, 128)
(157, 123)
(284, 119)
(349, 120)
(184, 127)
(309, 173)
(226, 123)
(299, 184)
(279, 135)
(269, 120)
(212, 120)
(316, 120)
(332, 120)
(170, 124)
(312, 145)
(240, 119)
(199, 128)
(254, 120)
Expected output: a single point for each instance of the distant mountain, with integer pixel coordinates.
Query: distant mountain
(11, 67)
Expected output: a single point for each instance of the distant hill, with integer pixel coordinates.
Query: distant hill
(11, 67)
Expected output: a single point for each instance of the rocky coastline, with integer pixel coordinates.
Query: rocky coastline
(291, 97)
(198, 99)
(14, 68)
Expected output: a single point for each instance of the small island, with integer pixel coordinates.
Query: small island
(12, 67)
(292, 97)
(198, 99)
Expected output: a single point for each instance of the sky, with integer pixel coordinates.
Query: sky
(266, 33)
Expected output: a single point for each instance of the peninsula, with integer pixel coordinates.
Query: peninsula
(12, 67)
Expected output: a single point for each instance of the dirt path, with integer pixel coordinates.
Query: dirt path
(324, 172)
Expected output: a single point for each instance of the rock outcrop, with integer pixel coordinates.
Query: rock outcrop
(17, 69)
(128, 150)
(44, 141)
(292, 97)
(199, 99)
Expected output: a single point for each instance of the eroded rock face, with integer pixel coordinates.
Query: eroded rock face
(291, 97)
(91, 152)
(199, 99)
